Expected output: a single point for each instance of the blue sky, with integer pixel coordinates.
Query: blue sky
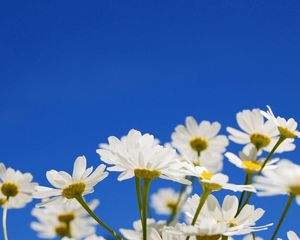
(73, 73)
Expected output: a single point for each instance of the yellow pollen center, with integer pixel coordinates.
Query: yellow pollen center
(286, 133)
(232, 223)
(147, 174)
(74, 190)
(66, 217)
(295, 189)
(260, 140)
(9, 189)
(207, 237)
(171, 205)
(63, 231)
(199, 144)
(251, 166)
(206, 175)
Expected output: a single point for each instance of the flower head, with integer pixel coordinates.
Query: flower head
(67, 187)
(257, 132)
(200, 143)
(141, 156)
(248, 161)
(284, 179)
(287, 128)
(16, 187)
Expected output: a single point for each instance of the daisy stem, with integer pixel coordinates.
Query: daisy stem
(4, 217)
(145, 206)
(253, 235)
(98, 220)
(175, 210)
(203, 199)
(139, 196)
(280, 140)
(247, 181)
(287, 206)
(224, 237)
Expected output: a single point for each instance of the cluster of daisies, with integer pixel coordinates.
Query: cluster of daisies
(194, 159)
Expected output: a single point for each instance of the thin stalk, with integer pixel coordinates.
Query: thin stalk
(224, 237)
(247, 181)
(287, 206)
(97, 219)
(145, 207)
(203, 199)
(139, 196)
(280, 140)
(253, 235)
(4, 218)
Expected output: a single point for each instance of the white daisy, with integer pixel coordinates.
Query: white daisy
(140, 155)
(238, 224)
(137, 232)
(255, 131)
(284, 179)
(250, 237)
(215, 182)
(67, 187)
(200, 144)
(287, 128)
(248, 161)
(164, 201)
(92, 237)
(292, 235)
(64, 220)
(16, 187)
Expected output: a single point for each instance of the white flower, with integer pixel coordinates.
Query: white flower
(284, 179)
(16, 187)
(67, 187)
(292, 235)
(137, 232)
(92, 237)
(215, 182)
(255, 131)
(287, 128)
(200, 144)
(140, 155)
(238, 224)
(64, 220)
(248, 161)
(164, 201)
(250, 237)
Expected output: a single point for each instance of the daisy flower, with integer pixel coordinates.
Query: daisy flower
(137, 232)
(248, 161)
(287, 128)
(64, 220)
(257, 132)
(164, 201)
(92, 237)
(250, 237)
(284, 179)
(16, 187)
(200, 143)
(292, 235)
(141, 156)
(215, 182)
(67, 187)
(237, 223)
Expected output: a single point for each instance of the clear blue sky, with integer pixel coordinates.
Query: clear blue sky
(74, 72)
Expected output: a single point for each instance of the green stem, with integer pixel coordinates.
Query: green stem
(203, 199)
(247, 181)
(98, 220)
(224, 237)
(287, 206)
(139, 196)
(253, 235)
(175, 210)
(280, 140)
(4, 217)
(145, 207)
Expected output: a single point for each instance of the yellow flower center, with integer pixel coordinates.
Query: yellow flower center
(9, 189)
(66, 217)
(251, 166)
(74, 190)
(211, 237)
(63, 230)
(232, 223)
(295, 189)
(199, 144)
(206, 175)
(260, 140)
(286, 133)
(172, 205)
(208, 185)
(147, 174)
